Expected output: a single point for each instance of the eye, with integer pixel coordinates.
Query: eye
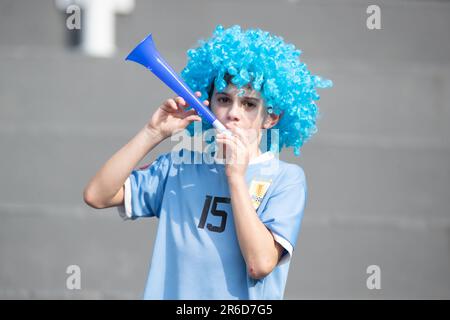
(223, 99)
(249, 104)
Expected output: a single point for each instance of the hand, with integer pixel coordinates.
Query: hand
(236, 151)
(172, 116)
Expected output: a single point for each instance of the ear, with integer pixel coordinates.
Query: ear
(271, 119)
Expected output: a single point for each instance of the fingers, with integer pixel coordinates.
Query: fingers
(238, 132)
(175, 113)
(191, 115)
(191, 112)
(193, 118)
(241, 134)
(230, 140)
(180, 102)
(235, 150)
(174, 105)
(169, 106)
(233, 141)
(199, 94)
(226, 141)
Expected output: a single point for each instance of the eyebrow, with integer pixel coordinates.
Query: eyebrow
(244, 97)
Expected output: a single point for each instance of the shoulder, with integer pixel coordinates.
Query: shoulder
(181, 158)
(291, 173)
(174, 156)
(161, 161)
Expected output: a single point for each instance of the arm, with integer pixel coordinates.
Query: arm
(260, 250)
(106, 188)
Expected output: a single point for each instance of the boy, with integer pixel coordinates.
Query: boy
(226, 230)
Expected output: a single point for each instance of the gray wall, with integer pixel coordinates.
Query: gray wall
(378, 170)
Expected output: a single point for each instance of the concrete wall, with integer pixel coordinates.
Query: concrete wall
(378, 170)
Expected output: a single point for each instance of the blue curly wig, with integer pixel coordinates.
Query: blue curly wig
(271, 66)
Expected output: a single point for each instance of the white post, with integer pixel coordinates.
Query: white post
(98, 24)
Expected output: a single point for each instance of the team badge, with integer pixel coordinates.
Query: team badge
(257, 191)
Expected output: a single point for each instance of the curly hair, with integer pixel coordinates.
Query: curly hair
(271, 67)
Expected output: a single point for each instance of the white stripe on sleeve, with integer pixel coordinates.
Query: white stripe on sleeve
(286, 245)
(125, 210)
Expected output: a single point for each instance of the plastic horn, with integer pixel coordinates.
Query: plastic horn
(147, 55)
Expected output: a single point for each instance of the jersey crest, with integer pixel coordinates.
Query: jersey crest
(258, 190)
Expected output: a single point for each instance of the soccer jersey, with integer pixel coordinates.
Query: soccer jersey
(196, 252)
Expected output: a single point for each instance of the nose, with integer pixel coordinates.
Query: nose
(234, 112)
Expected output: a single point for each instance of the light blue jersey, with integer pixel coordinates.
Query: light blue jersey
(196, 253)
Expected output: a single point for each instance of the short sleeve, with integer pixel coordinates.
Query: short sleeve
(144, 189)
(284, 210)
